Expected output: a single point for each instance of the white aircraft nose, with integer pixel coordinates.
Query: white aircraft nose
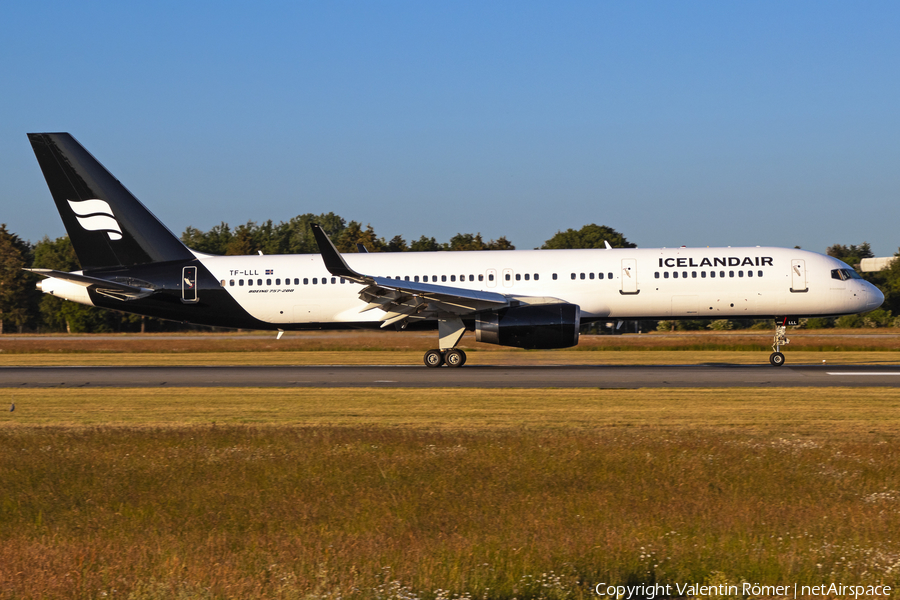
(874, 297)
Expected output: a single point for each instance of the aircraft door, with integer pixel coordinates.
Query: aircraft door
(629, 276)
(189, 285)
(490, 278)
(798, 276)
(507, 277)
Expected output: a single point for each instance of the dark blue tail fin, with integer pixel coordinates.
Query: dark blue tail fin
(107, 225)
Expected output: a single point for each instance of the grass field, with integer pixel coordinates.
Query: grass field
(378, 493)
(880, 346)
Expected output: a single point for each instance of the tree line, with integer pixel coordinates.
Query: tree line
(23, 308)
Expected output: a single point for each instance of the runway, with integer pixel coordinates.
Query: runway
(601, 376)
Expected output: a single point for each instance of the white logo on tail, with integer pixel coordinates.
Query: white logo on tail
(96, 215)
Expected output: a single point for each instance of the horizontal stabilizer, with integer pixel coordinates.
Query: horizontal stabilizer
(100, 284)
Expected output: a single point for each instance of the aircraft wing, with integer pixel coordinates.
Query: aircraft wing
(401, 299)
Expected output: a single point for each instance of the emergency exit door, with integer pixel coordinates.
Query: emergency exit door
(189, 284)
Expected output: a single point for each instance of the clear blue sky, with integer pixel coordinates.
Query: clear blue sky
(696, 123)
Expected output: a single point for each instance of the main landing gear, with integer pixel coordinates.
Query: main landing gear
(450, 330)
(452, 358)
(777, 358)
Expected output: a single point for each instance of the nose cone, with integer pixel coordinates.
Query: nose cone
(874, 298)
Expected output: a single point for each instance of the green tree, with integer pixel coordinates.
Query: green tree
(16, 286)
(468, 241)
(63, 315)
(425, 244)
(589, 236)
(852, 255)
(397, 244)
(354, 234)
(889, 283)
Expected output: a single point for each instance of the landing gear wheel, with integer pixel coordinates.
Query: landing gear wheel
(777, 359)
(455, 358)
(434, 358)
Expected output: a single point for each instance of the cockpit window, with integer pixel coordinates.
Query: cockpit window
(844, 274)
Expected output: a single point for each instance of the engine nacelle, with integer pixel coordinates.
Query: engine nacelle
(539, 326)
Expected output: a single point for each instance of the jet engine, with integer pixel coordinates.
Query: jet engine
(539, 326)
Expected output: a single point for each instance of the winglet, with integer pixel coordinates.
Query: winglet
(334, 262)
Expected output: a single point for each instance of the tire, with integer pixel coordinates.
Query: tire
(455, 358)
(434, 359)
(777, 359)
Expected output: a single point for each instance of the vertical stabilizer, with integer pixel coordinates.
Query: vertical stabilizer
(108, 226)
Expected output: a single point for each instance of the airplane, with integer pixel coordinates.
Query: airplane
(520, 298)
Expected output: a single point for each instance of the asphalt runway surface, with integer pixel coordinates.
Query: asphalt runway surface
(596, 376)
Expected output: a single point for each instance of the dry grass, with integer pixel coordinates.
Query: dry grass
(840, 411)
(859, 340)
(385, 493)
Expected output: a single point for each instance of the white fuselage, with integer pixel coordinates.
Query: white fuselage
(676, 283)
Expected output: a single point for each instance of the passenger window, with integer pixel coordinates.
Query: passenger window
(749, 273)
(759, 273)
(480, 277)
(231, 283)
(656, 274)
(506, 277)
(712, 273)
(609, 275)
(590, 275)
(675, 274)
(731, 273)
(527, 276)
(740, 273)
(268, 282)
(259, 282)
(416, 279)
(315, 280)
(222, 283)
(693, 274)
(434, 278)
(342, 280)
(518, 277)
(472, 278)
(407, 278)
(491, 277)
(305, 281)
(249, 282)
(554, 277)
(297, 281)
(536, 276)
(240, 282)
(573, 275)
(334, 280)
(702, 274)
(684, 274)
(599, 275)
(277, 282)
(665, 275)
(721, 273)
(453, 278)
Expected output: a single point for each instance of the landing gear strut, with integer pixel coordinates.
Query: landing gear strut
(777, 358)
(452, 358)
(450, 330)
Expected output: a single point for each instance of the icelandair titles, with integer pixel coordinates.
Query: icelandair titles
(724, 261)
